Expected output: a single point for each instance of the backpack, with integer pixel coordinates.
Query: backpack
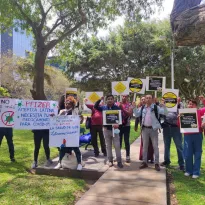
(155, 111)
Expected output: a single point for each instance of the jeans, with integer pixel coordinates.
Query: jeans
(168, 134)
(8, 133)
(149, 133)
(193, 151)
(109, 139)
(95, 129)
(125, 130)
(40, 135)
(64, 150)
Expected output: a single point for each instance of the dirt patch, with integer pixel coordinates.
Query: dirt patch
(171, 191)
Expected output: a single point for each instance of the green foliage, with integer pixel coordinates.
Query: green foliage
(4, 92)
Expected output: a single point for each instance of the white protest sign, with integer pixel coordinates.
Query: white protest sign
(7, 112)
(120, 88)
(188, 120)
(71, 92)
(137, 85)
(34, 114)
(155, 83)
(64, 131)
(170, 96)
(93, 97)
(112, 117)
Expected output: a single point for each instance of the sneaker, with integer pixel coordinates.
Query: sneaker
(34, 165)
(48, 162)
(195, 176)
(143, 165)
(110, 164)
(128, 159)
(157, 167)
(79, 167)
(58, 166)
(187, 174)
(164, 164)
(13, 160)
(120, 165)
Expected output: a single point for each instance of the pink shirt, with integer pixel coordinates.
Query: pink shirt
(147, 119)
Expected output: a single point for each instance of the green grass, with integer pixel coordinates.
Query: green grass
(17, 186)
(188, 191)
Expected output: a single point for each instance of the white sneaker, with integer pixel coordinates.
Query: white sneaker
(58, 166)
(195, 176)
(187, 174)
(48, 162)
(34, 165)
(79, 168)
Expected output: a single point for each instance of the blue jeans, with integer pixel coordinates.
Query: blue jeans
(168, 134)
(193, 149)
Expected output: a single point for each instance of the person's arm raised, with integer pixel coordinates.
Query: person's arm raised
(97, 105)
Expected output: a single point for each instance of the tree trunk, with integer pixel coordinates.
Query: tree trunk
(38, 81)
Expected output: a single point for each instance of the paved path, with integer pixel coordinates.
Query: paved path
(129, 186)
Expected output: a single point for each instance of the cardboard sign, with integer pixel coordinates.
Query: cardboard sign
(120, 88)
(170, 96)
(71, 92)
(7, 112)
(93, 97)
(137, 85)
(111, 117)
(188, 120)
(64, 131)
(34, 114)
(154, 83)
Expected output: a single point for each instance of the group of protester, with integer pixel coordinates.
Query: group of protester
(149, 113)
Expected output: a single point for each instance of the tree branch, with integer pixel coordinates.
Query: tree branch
(43, 14)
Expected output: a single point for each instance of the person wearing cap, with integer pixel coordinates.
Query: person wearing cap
(70, 109)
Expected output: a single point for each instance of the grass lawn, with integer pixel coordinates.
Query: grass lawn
(18, 186)
(188, 191)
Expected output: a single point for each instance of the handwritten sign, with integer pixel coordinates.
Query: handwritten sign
(154, 83)
(7, 112)
(170, 96)
(93, 97)
(111, 117)
(64, 131)
(188, 120)
(71, 92)
(34, 114)
(137, 85)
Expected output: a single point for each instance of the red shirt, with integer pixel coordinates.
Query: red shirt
(96, 117)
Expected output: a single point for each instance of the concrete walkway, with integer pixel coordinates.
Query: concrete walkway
(130, 185)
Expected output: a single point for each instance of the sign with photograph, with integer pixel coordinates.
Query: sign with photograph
(170, 96)
(137, 85)
(188, 120)
(111, 117)
(155, 83)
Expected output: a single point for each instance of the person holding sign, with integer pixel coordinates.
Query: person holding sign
(111, 137)
(127, 113)
(193, 144)
(96, 128)
(150, 127)
(70, 105)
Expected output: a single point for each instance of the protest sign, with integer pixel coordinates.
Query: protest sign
(71, 92)
(34, 114)
(7, 112)
(188, 120)
(120, 88)
(170, 96)
(137, 85)
(92, 97)
(155, 83)
(64, 131)
(111, 117)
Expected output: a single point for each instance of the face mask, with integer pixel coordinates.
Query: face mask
(116, 131)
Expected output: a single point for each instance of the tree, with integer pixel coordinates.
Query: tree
(51, 21)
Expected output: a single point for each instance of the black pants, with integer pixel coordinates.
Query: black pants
(40, 135)
(125, 131)
(8, 133)
(65, 150)
(95, 129)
